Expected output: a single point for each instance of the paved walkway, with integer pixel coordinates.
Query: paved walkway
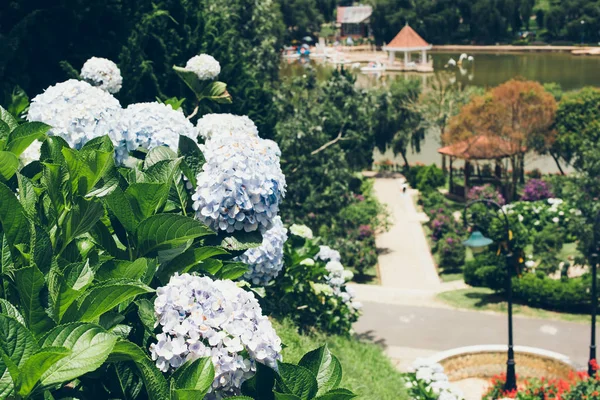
(405, 261)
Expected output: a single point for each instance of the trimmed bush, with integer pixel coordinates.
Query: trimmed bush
(452, 252)
(569, 295)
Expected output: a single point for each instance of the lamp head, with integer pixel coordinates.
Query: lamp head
(477, 242)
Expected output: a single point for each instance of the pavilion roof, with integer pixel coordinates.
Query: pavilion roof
(407, 39)
(481, 147)
(353, 15)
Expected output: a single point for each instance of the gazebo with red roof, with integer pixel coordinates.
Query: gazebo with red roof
(477, 148)
(408, 41)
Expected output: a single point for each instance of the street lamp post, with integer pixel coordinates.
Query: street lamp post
(592, 365)
(477, 240)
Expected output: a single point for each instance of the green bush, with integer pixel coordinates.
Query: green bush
(537, 290)
(452, 252)
(547, 245)
(430, 178)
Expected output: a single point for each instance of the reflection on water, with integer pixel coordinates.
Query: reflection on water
(487, 70)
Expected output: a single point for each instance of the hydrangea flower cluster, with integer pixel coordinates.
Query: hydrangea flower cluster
(336, 279)
(213, 126)
(266, 261)
(302, 231)
(326, 253)
(200, 317)
(240, 185)
(102, 73)
(77, 111)
(204, 66)
(148, 125)
(433, 376)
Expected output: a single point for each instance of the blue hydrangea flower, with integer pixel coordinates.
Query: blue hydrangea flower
(326, 253)
(266, 261)
(102, 73)
(219, 126)
(77, 111)
(148, 125)
(200, 317)
(240, 186)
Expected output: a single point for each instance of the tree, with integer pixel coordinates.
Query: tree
(397, 124)
(518, 111)
(526, 10)
(301, 17)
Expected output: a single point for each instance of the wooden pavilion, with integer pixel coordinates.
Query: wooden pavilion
(474, 150)
(408, 41)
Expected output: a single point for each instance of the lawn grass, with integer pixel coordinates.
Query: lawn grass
(366, 369)
(484, 299)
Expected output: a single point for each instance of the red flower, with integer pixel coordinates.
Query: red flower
(594, 364)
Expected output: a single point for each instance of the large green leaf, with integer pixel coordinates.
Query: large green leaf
(81, 218)
(89, 344)
(23, 135)
(16, 345)
(193, 379)
(27, 195)
(231, 270)
(122, 269)
(296, 380)
(33, 369)
(147, 199)
(193, 159)
(7, 118)
(286, 396)
(29, 282)
(260, 386)
(191, 79)
(325, 367)
(7, 308)
(67, 285)
(157, 154)
(121, 207)
(4, 132)
(103, 238)
(186, 261)
(166, 231)
(154, 381)
(13, 218)
(127, 385)
(217, 92)
(9, 163)
(41, 248)
(52, 149)
(242, 241)
(103, 297)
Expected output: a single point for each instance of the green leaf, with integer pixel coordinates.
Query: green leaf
(41, 246)
(186, 261)
(29, 282)
(192, 80)
(156, 154)
(27, 195)
(260, 386)
(242, 241)
(325, 367)
(121, 269)
(23, 135)
(103, 297)
(195, 378)
(285, 396)
(210, 266)
(7, 308)
(103, 238)
(297, 380)
(166, 231)
(193, 159)
(81, 218)
(67, 285)
(217, 92)
(13, 218)
(16, 345)
(146, 313)
(121, 207)
(146, 199)
(52, 149)
(7, 118)
(241, 398)
(86, 168)
(129, 384)
(36, 366)
(232, 270)
(89, 344)
(154, 381)
(9, 163)
(337, 394)
(4, 132)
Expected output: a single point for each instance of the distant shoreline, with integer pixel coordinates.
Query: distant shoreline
(580, 50)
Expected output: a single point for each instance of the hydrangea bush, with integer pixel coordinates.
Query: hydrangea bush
(487, 192)
(103, 74)
(536, 189)
(428, 381)
(312, 288)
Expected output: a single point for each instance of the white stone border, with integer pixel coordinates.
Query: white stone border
(487, 348)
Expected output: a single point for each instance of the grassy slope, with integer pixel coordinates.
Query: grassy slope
(484, 299)
(366, 370)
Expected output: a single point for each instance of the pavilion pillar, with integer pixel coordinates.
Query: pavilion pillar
(392, 56)
(423, 56)
(467, 167)
(450, 183)
(405, 58)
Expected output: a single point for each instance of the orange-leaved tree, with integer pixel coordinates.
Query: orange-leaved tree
(518, 112)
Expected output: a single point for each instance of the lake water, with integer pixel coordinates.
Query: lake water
(488, 70)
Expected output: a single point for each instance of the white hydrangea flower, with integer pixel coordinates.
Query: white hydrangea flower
(266, 261)
(238, 188)
(31, 153)
(102, 73)
(77, 111)
(218, 126)
(200, 317)
(326, 253)
(302, 231)
(148, 125)
(204, 66)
